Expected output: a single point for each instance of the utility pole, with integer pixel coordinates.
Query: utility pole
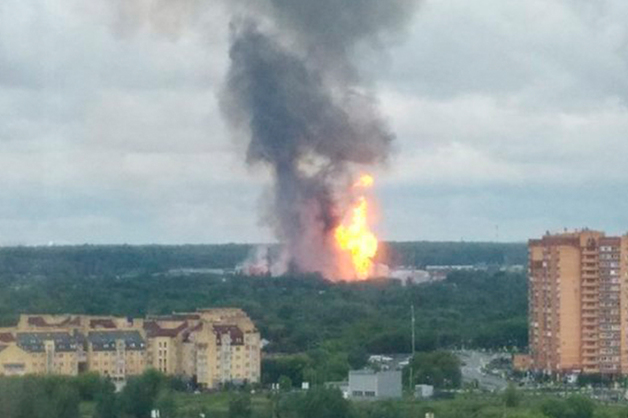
(413, 350)
(413, 328)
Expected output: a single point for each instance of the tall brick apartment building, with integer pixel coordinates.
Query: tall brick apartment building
(578, 303)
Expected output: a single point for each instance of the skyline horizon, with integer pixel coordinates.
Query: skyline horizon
(270, 244)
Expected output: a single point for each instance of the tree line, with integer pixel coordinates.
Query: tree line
(89, 396)
(114, 260)
(62, 397)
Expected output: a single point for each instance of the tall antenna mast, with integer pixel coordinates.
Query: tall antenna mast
(413, 350)
(413, 338)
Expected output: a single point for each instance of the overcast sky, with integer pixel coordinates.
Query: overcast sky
(510, 116)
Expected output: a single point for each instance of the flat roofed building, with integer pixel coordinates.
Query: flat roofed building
(578, 303)
(369, 384)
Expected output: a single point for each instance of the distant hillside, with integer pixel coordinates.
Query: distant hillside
(100, 260)
(96, 260)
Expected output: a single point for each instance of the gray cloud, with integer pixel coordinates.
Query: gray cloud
(505, 112)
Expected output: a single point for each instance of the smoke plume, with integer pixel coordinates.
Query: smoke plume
(294, 90)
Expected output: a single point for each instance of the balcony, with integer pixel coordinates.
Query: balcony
(589, 283)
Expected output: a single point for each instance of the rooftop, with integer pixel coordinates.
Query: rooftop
(35, 341)
(236, 335)
(106, 340)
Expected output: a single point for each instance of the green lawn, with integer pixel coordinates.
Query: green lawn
(216, 405)
(86, 409)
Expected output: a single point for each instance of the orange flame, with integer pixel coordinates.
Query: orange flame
(356, 236)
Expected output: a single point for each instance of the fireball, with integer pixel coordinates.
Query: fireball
(355, 236)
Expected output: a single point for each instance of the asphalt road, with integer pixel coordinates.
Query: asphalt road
(473, 362)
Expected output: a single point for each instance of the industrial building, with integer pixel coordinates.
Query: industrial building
(578, 303)
(215, 346)
(369, 384)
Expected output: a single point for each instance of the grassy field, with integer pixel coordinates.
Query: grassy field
(216, 405)
(87, 409)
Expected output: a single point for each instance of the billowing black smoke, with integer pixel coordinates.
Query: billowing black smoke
(294, 90)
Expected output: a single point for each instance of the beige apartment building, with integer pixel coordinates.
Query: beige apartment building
(215, 346)
(578, 303)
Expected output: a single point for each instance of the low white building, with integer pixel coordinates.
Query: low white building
(368, 384)
(409, 275)
(423, 391)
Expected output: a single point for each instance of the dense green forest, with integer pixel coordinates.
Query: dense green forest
(298, 313)
(112, 260)
(99, 261)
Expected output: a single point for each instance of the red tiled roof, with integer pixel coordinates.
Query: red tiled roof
(196, 328)
(236, 334)
(181, 317)
(6, 337)
(39, 321)
(154, 330)
(150, 326)
(102, 323)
